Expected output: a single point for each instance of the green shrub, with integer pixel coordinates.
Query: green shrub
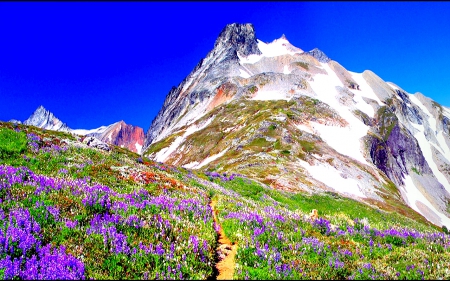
(12, 143)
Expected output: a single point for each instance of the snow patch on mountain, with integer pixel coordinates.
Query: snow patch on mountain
(278, 47)
(84, 132)
(164, 153)
(138, 148)
(365, 89)
(206, 161)
(244, 74)
(413, 195)
(428, 154)
(192, 115)
(345, 140)
(333, 178)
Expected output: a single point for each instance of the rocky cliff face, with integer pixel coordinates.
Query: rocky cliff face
(123, 135)
(119, 133)
(300, 121)
(196, 90)
(43, 118)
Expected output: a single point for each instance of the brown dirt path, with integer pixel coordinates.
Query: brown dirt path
(226, 250)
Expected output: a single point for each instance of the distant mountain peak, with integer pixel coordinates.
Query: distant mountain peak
(43, 118)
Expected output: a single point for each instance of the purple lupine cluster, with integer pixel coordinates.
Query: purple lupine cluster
(335, 263)
(106, 226)
(20, 241)
(53, 264)
(246, 217)
(10, 176)
(322, 225)
(53, 149)
(97, 196)
(223, 176)
(33, 142)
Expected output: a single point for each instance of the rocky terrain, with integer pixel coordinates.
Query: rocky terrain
(300, 121)
(119, 133)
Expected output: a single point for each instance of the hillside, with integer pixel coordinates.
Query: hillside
(71, 211)
(299, 121)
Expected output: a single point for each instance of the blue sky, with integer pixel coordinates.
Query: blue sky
(95, 63)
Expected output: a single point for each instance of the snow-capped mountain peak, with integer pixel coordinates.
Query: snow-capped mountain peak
(300, 121)
(43, 118)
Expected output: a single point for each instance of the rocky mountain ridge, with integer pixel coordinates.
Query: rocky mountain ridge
(300, 121)
(119, 133)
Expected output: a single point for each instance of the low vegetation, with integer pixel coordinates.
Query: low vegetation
(73, 212)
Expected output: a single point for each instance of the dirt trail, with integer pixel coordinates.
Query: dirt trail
(226, 251)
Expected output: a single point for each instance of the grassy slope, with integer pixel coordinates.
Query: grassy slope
(162, 211)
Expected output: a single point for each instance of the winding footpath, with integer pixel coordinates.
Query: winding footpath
(226, 250)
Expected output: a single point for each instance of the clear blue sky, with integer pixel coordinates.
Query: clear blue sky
(95, 63)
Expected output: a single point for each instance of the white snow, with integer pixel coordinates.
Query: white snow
(306, 128)
(196, 165)
(428, 154)
(244, 74)
(364, 89)
(191, 165)
(417, 102)
(414, 195)
(392, 86)
(343, 140)
(286, 70)
(444, 147)
(446, 111)
(332, 178)
(270, 95)
(164, 153)
(364, 106)
(191, 116)
(211, 158)
(84, 132)
(138, 148)
(110, 137)
(273, 49)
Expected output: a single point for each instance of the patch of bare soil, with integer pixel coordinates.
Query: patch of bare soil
(226, 251)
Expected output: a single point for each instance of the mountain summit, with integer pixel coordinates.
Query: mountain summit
(238, 37)
(43, 118)
(299, 121)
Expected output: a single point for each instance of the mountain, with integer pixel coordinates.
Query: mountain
(299, 121)
(75, 211)
(44, 119)
(119, 133)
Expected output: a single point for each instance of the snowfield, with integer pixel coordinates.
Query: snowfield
(332, 178)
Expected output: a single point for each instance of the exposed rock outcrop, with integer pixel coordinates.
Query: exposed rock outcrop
(123, 135)
(319, 55)
(96, 143)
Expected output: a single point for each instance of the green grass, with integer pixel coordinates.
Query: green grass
(307, 146)
(303, 65)
(270, 217)
(415, 170)
(260, 142)
(12, 143)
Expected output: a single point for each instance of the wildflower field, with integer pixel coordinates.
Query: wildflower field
(69, 211)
